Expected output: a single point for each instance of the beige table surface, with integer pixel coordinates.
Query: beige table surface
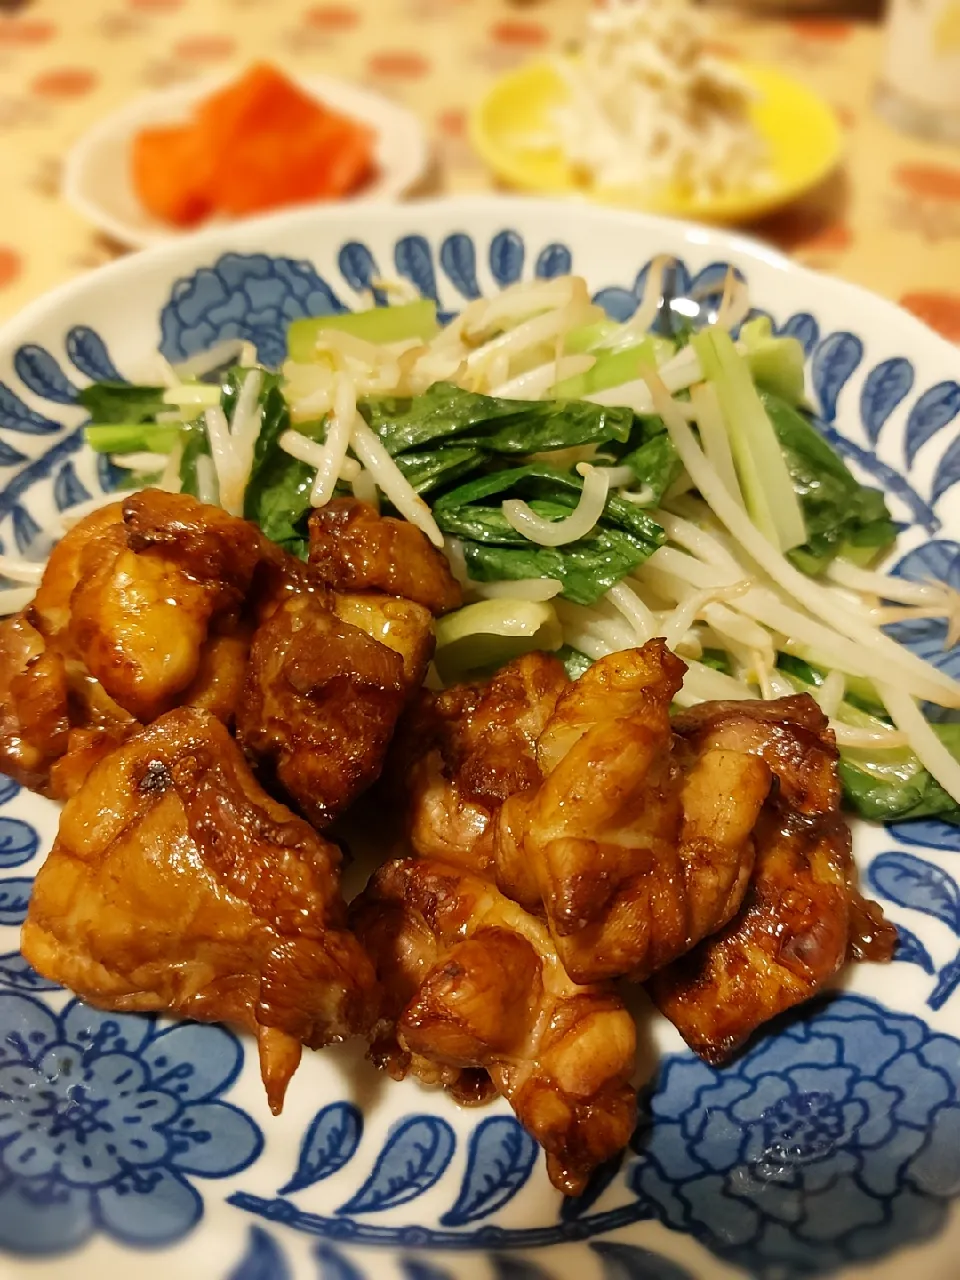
(890, 220)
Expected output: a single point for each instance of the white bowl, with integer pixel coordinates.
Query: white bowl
(98, 181)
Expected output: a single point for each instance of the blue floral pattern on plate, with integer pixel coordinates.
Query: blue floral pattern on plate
(831, 1142)
(104, 1121)
(834, 1141)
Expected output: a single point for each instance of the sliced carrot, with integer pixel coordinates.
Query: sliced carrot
(262, 101)
(171, 174)
(262, 172)
(257, 144)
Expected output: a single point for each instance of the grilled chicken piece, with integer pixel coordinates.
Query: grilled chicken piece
(577, 800)
(472, 982)
(640, 846)
(34, 710)
(462, 752)
(320, 705)
(353, 548)
(330, 673)
(150, 591)
(802, 919)
(221, 675)
(177, 884)
(55, 719)
(790, 735)
(49, 612)
(402, 625)
(139, 609)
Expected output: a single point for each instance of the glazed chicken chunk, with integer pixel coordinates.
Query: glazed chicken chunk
(177, 884)
(34, 705)
(791, 735)
(462, 752)
(801, 920)
(472, 981)
(320, 705)
(337, 656)
(151, 591)
(578, 800)
(353, 548)
(139, 609)
(639, 846)
(55, 719)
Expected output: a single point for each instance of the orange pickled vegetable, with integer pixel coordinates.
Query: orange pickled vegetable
(259, 143)
(171, 175)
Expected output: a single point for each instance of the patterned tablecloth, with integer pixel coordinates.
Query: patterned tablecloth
(889, 220)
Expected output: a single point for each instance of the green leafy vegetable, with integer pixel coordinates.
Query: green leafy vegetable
(652, 457)
(196, 444)
(120, 402)
(377, 324)
(587, 568)
(442, 412)
(277, 496)
(718, 659)
(575, 663)
(900, 799)
(858, 691)
(538, 480)
(540, 426)
(446, 411)
(839, 512)
(132, 437)
(435, 468)
(883, 785)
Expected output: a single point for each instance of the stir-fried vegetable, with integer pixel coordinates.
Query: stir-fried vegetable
(594, 484)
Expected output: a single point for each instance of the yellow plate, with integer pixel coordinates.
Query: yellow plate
(801, 130)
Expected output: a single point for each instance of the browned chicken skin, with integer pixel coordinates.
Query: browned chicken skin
(55, 719)
(462, 752)
(402, 625)
(332, 665)
(801, 919)
(320, 705)
(142, 606)
(790, 735)
(473, 981)
(639, 847)
(151, 591)
(177, 884)
(577, 799)
(353, 548)
(34, 708)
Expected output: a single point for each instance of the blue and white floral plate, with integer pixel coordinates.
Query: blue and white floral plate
(831, 1147)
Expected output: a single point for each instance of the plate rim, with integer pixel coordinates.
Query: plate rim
(549, 207)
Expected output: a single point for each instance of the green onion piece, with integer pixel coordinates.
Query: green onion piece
(775, 363)
(805, 663)
(378, 324)
(588, 336)
(131, 437)
(610, 370)
(491, 632)
(765, 480)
